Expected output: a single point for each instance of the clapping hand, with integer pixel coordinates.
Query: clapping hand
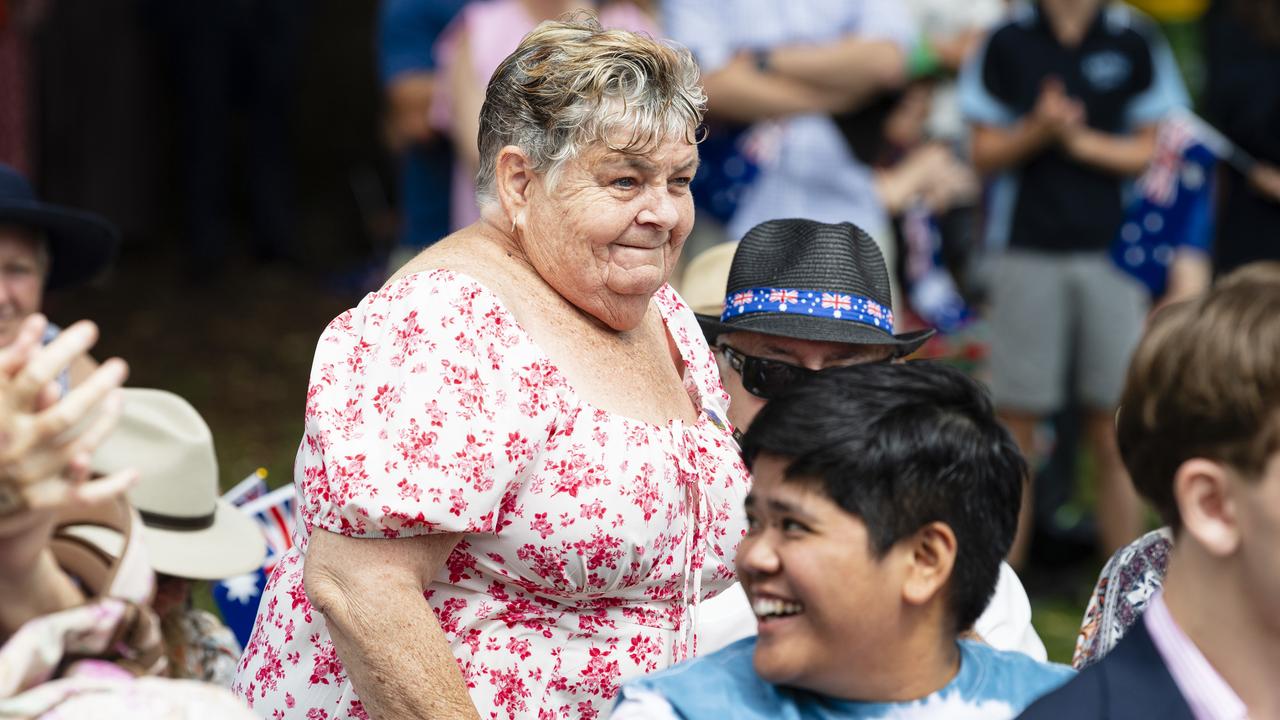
(1057, 114)
(46, 438)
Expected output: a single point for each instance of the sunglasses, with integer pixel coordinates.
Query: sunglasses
(762, 377)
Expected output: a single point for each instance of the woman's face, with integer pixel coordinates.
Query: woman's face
(21, 280)
(607, 235)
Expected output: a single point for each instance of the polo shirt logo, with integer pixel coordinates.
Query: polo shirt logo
(1106, 70)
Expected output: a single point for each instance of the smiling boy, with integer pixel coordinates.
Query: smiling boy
(885, 497)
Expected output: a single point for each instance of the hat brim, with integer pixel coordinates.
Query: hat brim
(232, 546)
(81, 244)
(814, 328)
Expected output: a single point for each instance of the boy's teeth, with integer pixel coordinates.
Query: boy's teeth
(765, 607)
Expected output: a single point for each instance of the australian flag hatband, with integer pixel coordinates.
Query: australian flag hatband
(812, 303)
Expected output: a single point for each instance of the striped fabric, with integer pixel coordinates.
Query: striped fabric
(1206, 693)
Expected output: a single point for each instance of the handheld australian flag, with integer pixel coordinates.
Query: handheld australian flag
(1172, 209)
(238, 597)
(931, 290)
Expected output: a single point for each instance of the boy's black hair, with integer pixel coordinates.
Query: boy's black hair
(901, 446)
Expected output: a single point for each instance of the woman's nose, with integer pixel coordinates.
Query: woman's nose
(661, 210)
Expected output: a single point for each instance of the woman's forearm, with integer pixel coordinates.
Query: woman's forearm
(386, 635)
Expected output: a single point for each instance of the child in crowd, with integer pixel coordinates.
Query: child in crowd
(1197, 429)
(885, 497)
(1064, 99)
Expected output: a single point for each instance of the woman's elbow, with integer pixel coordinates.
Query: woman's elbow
(327, 586)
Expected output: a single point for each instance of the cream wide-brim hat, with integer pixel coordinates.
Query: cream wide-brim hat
(189, 531)
(705, 277)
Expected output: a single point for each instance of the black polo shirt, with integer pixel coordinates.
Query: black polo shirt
(1123, 73)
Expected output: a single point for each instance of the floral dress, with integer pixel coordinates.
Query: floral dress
(590, 537)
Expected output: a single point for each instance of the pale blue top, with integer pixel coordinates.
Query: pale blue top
(991, 685)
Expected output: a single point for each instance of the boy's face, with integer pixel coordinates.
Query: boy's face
(824, 603)
(1258, 519)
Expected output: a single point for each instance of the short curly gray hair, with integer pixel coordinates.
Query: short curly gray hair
(571, 83)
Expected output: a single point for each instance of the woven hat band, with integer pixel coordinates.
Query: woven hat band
(808, 303)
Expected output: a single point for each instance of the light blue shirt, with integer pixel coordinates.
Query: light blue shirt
(991, 685)
(810, 171)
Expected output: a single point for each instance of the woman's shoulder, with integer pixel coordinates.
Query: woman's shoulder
(700, 363)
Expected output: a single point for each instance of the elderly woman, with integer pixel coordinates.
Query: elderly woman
(517, 482)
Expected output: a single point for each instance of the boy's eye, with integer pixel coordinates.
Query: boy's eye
(753, 524)
(789, 525)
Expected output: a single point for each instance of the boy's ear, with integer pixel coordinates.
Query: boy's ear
(1202, 489)
(931, 555)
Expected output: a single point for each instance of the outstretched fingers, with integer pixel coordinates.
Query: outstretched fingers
(72, 416)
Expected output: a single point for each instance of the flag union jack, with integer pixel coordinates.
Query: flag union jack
(839, 302)
(875, 309)
(783, 296)
(742, 298)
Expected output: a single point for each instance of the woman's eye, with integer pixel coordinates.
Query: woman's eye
(625, 183)
(681, 182)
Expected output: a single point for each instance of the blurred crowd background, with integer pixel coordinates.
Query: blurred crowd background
(267, 162)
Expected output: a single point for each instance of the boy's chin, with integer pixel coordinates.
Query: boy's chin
(779, 665)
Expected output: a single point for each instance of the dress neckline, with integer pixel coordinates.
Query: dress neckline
(697, 397)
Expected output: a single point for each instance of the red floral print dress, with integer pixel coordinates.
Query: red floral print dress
(590, 539)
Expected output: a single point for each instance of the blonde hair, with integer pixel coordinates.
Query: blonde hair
(1205, 382)
(571, 84)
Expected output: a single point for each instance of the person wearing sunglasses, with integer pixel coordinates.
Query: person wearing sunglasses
(799, 297)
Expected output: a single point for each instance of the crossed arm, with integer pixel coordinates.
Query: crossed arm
(802, 79)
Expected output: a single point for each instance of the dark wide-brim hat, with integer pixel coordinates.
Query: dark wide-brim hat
(81, 244)
(811, 281)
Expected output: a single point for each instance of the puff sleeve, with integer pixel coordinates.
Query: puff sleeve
(427, 407)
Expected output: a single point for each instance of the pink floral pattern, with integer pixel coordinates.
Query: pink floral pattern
(591, 538)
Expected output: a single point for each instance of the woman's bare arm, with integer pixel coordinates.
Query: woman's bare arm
(388, 638)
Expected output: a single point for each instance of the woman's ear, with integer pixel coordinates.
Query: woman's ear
(931, 555)
(513, 180)
(1202, 489)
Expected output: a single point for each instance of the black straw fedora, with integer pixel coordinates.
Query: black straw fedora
(81, 244)
(811, 281)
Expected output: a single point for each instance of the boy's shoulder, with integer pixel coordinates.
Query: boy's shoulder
(1021, 27)
(704, 686)
(1007, 676)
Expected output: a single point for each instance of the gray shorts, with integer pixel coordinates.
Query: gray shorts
(1045, 305)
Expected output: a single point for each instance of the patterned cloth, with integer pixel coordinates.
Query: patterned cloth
(119, 638)
(1126, 585)
(92, 661)
(590, 538)
(210, 651)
